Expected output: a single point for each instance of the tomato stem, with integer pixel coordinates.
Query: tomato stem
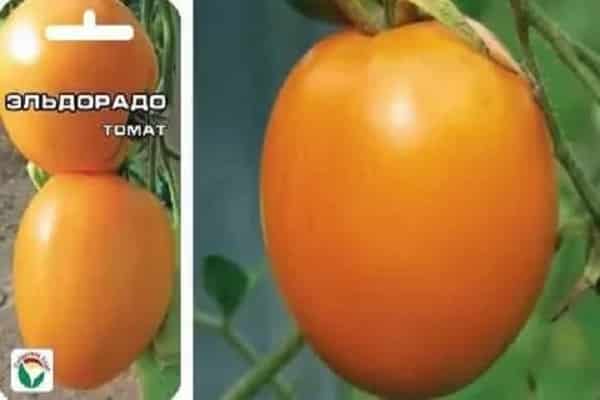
(245, 349)
(168, 53)
(529, 15)
(165, 350)
(447, 13)
(266, 369)
(367, 15)
(577, 57)
(146, 8)
(170, 178)
(169, 31)
(152, 171)
(400, 12)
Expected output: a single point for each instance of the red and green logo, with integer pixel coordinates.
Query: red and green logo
(32, 370)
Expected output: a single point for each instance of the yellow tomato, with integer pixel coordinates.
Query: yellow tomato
(67, 141)
(409, 207)
(93, 273)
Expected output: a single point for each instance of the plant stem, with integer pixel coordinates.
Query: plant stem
(266, 369)
(170, 178)
(146, 7)
(587, 55)
(167, 71)
(560, 41)
(563, 150)
(169, 41)
(152, 166)
(172, 153)
(367, 15)
(399, 12)
(447, 13)
(241, 345)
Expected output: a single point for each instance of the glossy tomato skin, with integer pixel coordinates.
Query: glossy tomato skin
(409, 207)
(93, 273)
(66, 141)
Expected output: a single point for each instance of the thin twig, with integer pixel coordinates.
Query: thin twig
(367, 15)
(172, 154)
(561, 43)
(152, 166)
(243, 347)
(563, 150)
(587, 55)
(146, 8)
(249, 384)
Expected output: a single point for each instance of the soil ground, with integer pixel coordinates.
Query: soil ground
(15, 191)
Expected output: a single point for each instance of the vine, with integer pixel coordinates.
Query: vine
(373, 16)
(159, 367)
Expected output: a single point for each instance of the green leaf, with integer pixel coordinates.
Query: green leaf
(159, 367)
(163, 191)
(134, 167)
(357, 394)
(24, 377)
(156, 382)
(38, 381)
(226, 283)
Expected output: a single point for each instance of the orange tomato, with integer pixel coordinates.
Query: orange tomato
(93, 273)
(66, 141)
(409, 207)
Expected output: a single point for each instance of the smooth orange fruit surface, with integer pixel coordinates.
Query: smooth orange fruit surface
(409, 207)
(93, 272)
(66, 141)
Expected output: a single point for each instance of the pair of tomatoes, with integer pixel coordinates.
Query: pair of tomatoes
(409, 207)
(94, 255)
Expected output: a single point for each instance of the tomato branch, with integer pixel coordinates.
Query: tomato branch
(168, 63)
(525, 13)
(159, 369)
(565, 49)
(241, 345)
(146, 9)
(266, 369)
(152, 164)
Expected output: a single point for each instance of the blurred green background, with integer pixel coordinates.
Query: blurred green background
(244, 50)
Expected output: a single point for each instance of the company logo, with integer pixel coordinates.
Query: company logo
(32, 370)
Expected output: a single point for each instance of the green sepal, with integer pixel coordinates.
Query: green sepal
(37, 175)
(324, 10)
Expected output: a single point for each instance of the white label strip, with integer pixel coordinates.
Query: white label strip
(89, 31)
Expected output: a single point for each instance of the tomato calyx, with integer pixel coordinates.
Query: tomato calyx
(324, 10)
(374, 16)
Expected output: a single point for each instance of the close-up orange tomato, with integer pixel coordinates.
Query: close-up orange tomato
(93, 274)
(409, 207)
(66, 141)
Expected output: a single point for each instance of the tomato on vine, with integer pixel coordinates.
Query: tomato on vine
(93, 273)
(30, 63)
(408, 190)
